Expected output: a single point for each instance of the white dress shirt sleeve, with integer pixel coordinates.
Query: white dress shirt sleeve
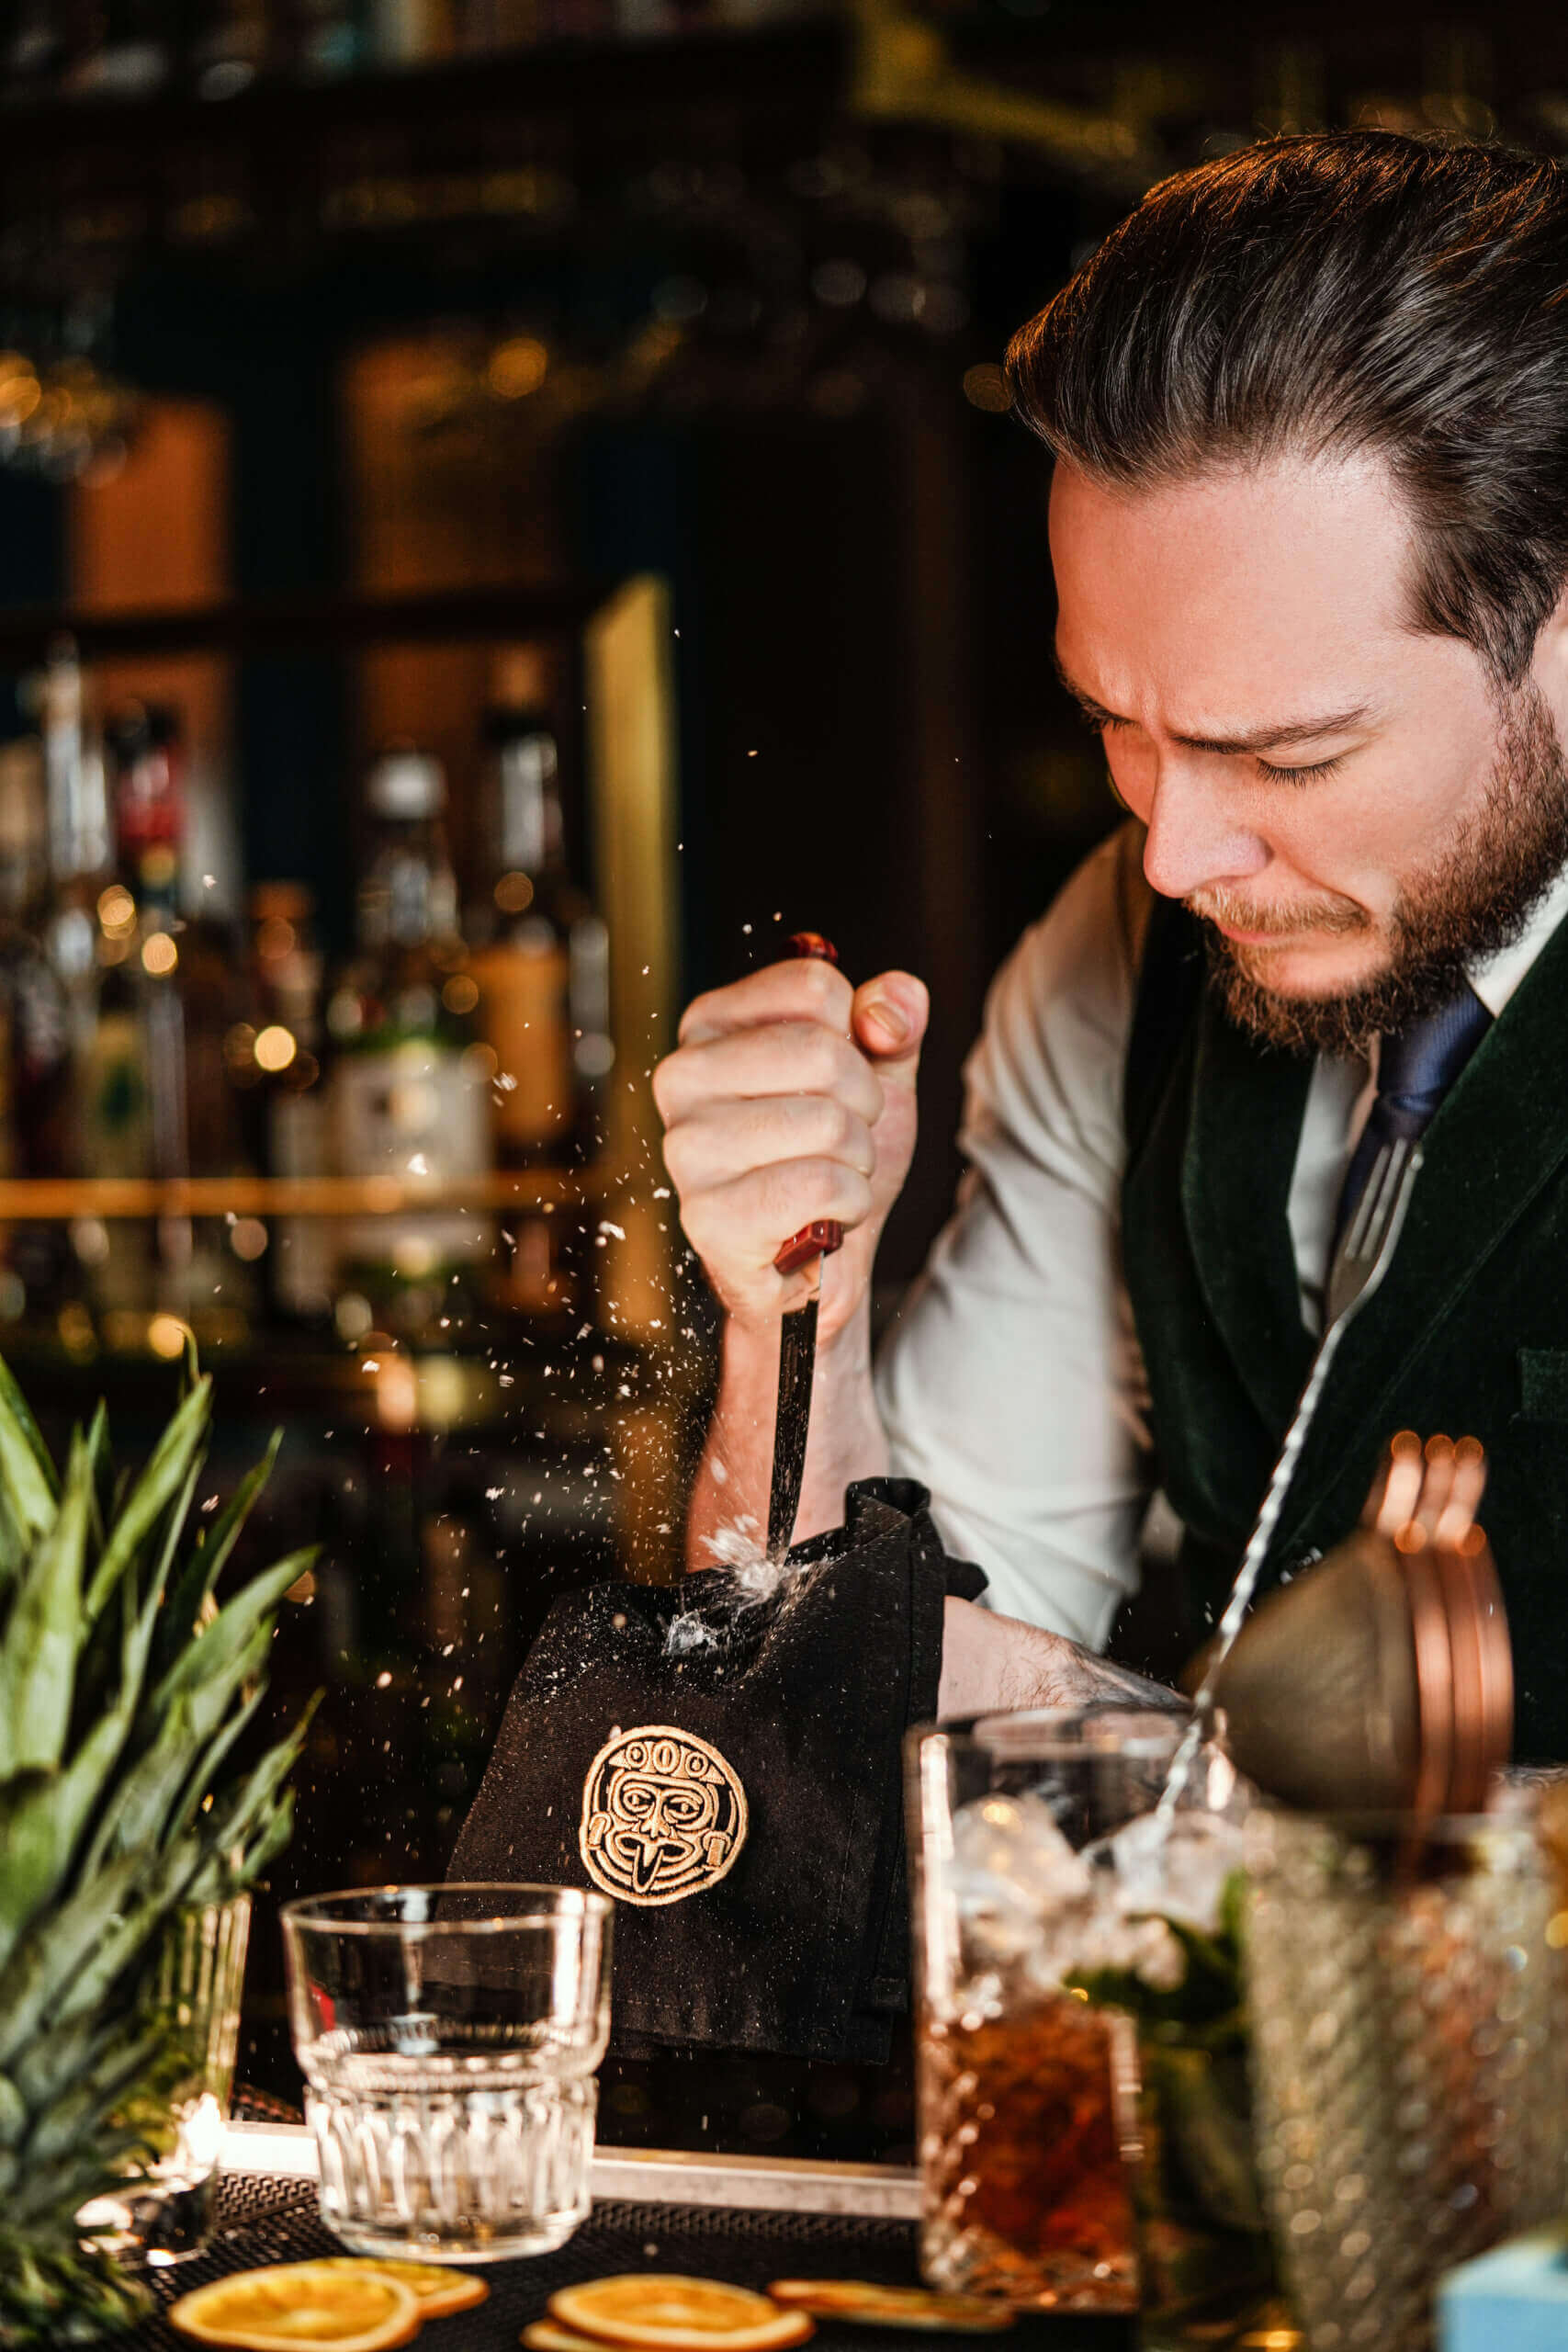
(1011, 1383)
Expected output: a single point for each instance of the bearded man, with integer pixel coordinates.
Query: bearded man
(1308, 408)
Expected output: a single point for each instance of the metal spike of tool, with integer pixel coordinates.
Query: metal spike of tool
(804, 1251)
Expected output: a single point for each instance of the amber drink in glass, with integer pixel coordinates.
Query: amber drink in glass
(1028, 2087)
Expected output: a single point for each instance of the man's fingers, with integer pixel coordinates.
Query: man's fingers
(1396, 1489)
(890, 1014)
(753, 1214)
(806, 989)
(722, 1140)
(1437, 1484)
(1433, 1490)
(1458, 1515)
(785, 1058)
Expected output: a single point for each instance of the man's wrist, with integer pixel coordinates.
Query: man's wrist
(996, 1665)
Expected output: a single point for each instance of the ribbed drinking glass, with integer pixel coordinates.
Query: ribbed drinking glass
(448, 2037)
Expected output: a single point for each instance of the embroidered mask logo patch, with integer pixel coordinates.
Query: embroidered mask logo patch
(663, 1815)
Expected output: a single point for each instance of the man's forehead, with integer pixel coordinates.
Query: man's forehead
(1233, 601)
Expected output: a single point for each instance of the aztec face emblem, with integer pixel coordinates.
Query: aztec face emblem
(663, 1815)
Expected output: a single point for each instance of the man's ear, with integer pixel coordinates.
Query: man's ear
(1549, 663)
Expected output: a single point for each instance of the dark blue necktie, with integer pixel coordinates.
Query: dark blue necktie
(1416, 1069)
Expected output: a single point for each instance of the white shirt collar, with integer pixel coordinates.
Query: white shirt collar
(1496, 980)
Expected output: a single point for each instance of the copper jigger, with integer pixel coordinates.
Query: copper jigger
(1380, 1680)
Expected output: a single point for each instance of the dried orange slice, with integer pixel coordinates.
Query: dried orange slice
(437, 2290)
(544, 2336)
(302, 2306)
(662, 2311)
(878, 2306)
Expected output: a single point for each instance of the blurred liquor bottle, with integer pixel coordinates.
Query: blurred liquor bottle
(166, 986)
(325, 38)
(143, 747)
(492, 27)
(411, 32)
(34, 1140)
(274, 1060)
(230, 42)
(542, 969)
(120, 48)
(33, 51)
(80, 851)
(409, 1085)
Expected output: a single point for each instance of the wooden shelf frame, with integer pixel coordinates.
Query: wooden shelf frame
(326, 624)
(44, 1200)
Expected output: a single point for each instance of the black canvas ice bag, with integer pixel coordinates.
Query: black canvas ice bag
(745, 1808)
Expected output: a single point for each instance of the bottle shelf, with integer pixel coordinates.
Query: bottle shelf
(765, 66)
(329, 623)
(43, 1200)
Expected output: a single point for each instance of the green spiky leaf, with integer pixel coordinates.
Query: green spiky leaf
(27, 1471)
(122, 1806)
(44, 1634)
(159, 1483)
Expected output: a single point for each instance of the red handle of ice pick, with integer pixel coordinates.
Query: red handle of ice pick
(820, 1239)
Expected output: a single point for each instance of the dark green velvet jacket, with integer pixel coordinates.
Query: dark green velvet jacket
(1468, 1332)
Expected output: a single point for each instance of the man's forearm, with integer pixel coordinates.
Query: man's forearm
(729, 1502)
(991, 1665)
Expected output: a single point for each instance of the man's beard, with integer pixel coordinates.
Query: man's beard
(1475, 900)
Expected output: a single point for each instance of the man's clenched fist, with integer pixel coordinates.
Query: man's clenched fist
(791, 1097)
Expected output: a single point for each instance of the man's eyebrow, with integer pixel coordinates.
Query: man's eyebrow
(1277, 736)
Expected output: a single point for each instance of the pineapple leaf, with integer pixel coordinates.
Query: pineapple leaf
(205, 1563)
(209, 1659)
(41, 1825)
(271, 1839)
(140, 1810)
(202, 1778)
(56, 1950)
(45, 2070)
(68, 2122)
(120, 1805)
(179, 1512)
(66, 2184)
(160, 1882)
(44, 1634)
(63, 2294)
(97, 1442)
(164, 1475)
(27, 1471)
(259, 1790)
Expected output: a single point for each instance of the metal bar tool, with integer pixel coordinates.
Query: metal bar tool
(805, 1251)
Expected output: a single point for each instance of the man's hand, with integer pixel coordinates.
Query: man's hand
(791, 1097)
(991, 1665)
(1427, 1494)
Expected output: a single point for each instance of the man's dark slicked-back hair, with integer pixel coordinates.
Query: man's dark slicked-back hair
(1357, 290)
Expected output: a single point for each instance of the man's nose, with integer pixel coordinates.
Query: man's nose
(1194, 841)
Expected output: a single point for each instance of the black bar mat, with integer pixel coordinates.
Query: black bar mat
(269, 2221)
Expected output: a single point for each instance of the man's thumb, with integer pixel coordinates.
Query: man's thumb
(889, 1019)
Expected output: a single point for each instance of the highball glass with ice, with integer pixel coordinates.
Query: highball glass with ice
(1084, 2127)
(1028, 2090)
(448, 2037)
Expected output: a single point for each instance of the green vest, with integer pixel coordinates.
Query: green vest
(1467, 1333)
